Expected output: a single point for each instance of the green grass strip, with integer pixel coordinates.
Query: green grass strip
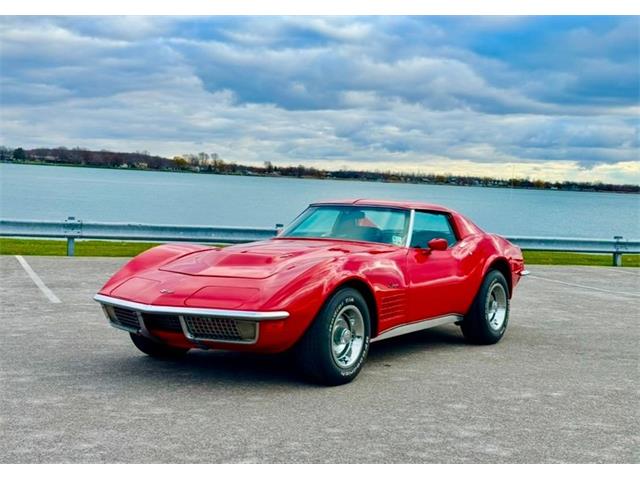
(100, 248)
(535, 257)
(83, 248)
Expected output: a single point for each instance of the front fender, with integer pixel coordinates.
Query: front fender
(304, 295)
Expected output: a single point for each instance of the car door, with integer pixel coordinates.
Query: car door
(433, 280)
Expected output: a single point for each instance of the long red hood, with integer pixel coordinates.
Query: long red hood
(261, 260)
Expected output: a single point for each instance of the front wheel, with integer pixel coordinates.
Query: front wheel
(157, 349)
(334, 348)
(487, 319)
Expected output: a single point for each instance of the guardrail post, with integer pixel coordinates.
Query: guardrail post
(72, 230)
(617, 255)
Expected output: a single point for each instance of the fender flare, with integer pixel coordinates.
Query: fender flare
(500, 263)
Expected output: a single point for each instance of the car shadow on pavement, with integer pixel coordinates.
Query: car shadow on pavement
(213, 367)
(233, 368)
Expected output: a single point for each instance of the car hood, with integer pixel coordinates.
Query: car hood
(261, 260)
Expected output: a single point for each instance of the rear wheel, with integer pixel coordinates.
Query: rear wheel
(157, 349)
(487, 319)
(334, 348)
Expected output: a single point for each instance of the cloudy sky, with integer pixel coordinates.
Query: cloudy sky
(546, 97)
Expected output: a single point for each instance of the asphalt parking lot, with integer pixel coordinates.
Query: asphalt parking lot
(562, 386)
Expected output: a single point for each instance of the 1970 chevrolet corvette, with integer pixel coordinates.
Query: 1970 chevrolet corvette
(342, 275)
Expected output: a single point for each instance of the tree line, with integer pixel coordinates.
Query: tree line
(212, 163)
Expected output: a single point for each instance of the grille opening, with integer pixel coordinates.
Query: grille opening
(215, 328)
(164, 322)
(125, 318)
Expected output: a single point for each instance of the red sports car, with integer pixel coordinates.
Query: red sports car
(342, 275)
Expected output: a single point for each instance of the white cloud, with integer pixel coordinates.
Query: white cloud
(380, 93)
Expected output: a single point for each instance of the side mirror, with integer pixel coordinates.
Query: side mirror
(438, 244)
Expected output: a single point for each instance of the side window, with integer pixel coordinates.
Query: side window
(427, 226)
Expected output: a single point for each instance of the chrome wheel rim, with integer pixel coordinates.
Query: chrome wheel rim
(347, 336)
(496, 306)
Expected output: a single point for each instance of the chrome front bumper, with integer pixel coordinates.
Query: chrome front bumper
(196, 324)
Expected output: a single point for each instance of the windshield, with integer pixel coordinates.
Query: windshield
(369, 224)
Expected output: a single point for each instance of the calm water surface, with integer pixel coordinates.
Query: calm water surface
(54, 193)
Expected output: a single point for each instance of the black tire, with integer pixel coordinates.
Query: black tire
(315, 351)
(157, 349)
(479, 326)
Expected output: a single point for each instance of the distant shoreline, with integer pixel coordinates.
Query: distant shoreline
(400, 180)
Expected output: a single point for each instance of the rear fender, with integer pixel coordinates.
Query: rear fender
(507, 258)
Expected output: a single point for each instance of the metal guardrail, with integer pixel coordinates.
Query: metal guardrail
(617, 246)
(72, 228)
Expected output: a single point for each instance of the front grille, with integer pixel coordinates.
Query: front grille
(224, 329)
(158, 321)
(126, 318)
(196, 327)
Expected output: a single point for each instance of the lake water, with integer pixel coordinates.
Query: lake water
(53, 193)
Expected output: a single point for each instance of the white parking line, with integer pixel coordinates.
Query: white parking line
(583, 286)
(37, 280)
